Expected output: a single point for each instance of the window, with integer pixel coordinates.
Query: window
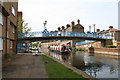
(13, 29)
(7, 34)
(1, 19)
(13, 11)
(1, 44)
(10, 44)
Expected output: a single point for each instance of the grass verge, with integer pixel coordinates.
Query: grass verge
(57, 70)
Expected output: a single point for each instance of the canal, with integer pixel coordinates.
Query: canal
(96, 65)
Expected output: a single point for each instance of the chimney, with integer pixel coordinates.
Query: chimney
(110, 27)
(97, 30)
(68, 25)
(78, 21)
(72, 23)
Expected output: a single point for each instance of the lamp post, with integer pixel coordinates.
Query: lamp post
(90, 28)
(45, 32)
(94, 27)
(45, 23)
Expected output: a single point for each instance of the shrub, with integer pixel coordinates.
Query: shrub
(110, 46)
(80, 49)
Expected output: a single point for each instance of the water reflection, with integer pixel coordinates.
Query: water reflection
(61, 56)
(98, 67)
(94, 65)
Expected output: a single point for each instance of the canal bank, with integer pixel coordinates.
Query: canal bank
(96, 65)
(105, 51)
(68, 65)
(72, 68)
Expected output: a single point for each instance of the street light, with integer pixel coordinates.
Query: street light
(45, 23)
(94, 27)
(45, 32)
(90, 28)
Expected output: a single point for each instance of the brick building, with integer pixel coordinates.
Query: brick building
(20, 15)
(111, 31)
(73, 28)
(115, 35)
(69, 28)
(8, 27)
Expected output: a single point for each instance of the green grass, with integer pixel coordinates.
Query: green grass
(57, 70)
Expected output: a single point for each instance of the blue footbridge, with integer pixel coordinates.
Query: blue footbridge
(41, 36)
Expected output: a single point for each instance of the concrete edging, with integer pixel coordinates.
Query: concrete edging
(85, 75)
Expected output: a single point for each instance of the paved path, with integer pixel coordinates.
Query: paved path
(25, 66)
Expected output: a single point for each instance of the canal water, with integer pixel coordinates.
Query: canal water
(96, 65)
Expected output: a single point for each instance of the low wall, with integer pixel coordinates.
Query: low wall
(109, 51)
(97, 44)
(116, 43)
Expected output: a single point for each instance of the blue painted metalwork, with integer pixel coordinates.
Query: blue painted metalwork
(84, 42)
(56, 33)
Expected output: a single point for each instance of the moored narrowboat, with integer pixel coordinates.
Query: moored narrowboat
(60, 49)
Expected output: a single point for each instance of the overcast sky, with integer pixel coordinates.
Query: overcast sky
(58, 13)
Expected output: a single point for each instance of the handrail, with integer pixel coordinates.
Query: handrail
(50, 34)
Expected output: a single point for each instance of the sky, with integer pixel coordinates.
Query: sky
(119, 15)
(103, 13)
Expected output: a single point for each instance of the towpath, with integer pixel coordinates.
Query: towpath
(25, 65)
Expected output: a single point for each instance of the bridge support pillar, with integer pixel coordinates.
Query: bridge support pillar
(27, 46)
(73, 46)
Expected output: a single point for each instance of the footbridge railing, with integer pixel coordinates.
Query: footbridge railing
(48, 34)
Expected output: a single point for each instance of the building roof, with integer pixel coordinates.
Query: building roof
(104, 31)
(111, 30)
(79, 25)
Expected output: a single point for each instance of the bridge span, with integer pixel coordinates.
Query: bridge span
(26, 38)
(40, 36)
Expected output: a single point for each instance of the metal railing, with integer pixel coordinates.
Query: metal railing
(48, 34)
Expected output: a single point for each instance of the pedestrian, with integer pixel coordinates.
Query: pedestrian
(37, 52)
